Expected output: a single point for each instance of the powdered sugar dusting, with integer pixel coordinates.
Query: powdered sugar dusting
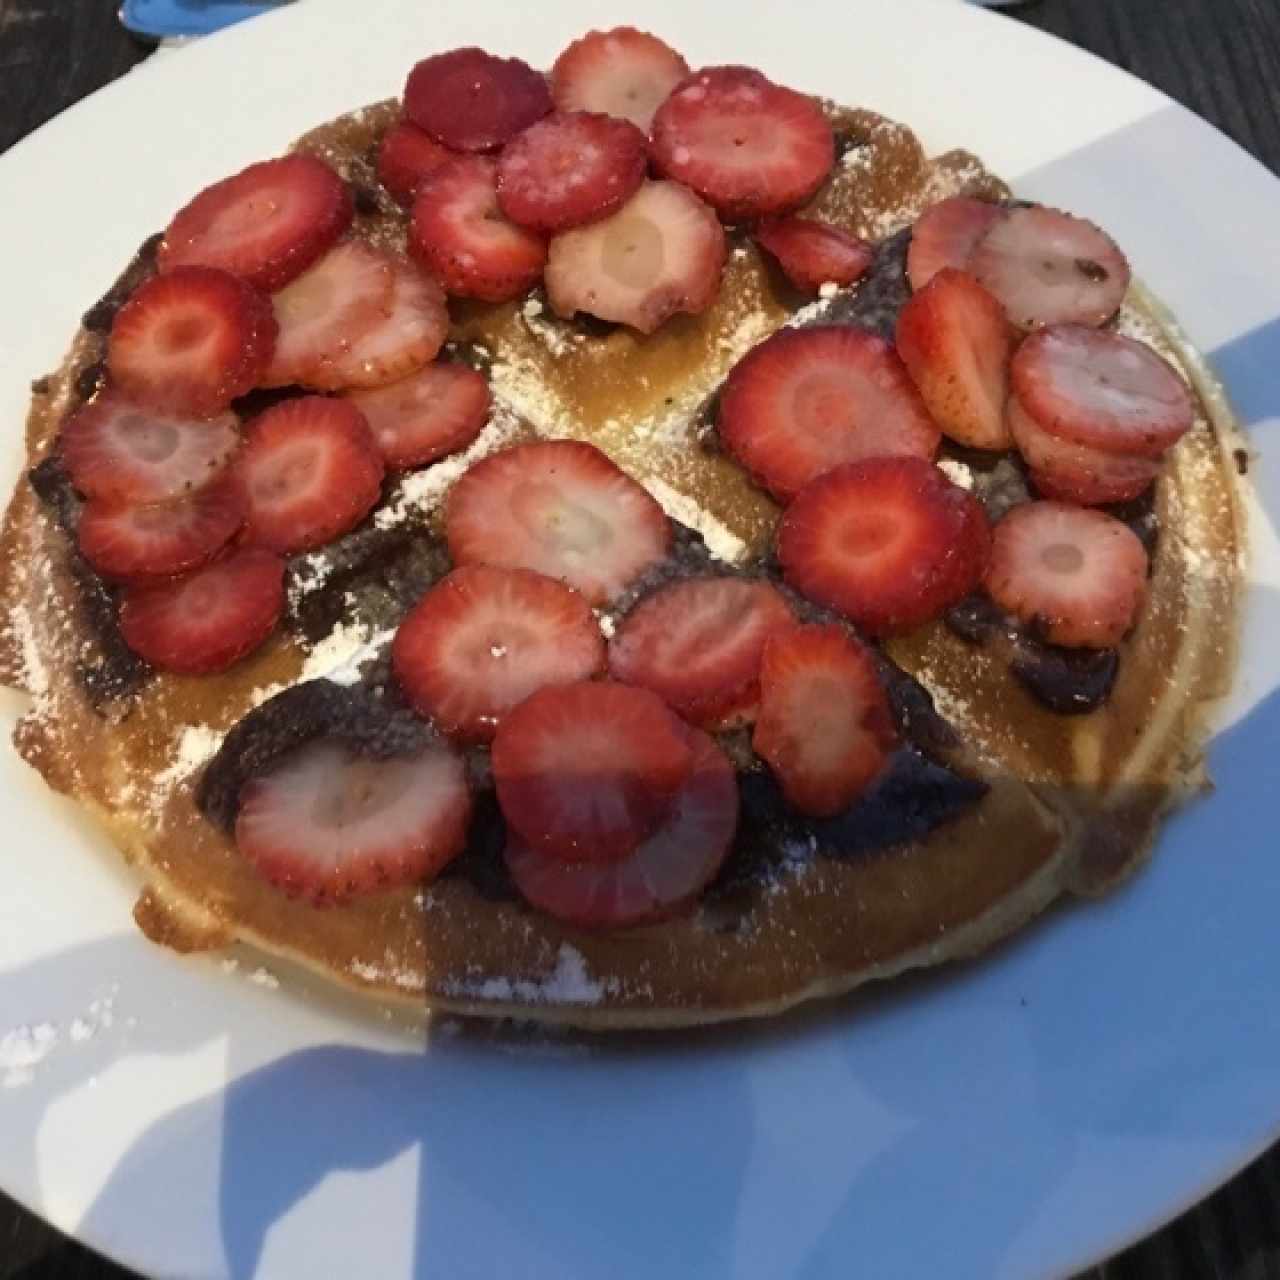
(569, 982)
(22, 1050)
(196, 745)
(721, 541)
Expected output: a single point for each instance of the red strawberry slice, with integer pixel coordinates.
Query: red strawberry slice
(208, 620)
(813, 253)
(747, 146)
(483, 639)
(570, 168)
(327, 823)
(586, 772)
(946, 234)
(408, 336)
(471, 101)
(956, 343)
(825, 727)
(114, 449)
(406, 155)
(1102, 390)
(427, 415)
(1048, 267)
(697, 643)
(327, 311)
(138, 541)
(1077, 576)
(622, 72)
(807, 400)
(459, 234)
(309, 471)
(888, 542)
(661, 254)
(267, 224)
(559, 507)
(190, 341)
(665, 873)
(1073, 472)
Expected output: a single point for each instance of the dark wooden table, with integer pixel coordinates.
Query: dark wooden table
(1219, 57)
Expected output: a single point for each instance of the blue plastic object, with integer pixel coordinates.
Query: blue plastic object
(159, 19)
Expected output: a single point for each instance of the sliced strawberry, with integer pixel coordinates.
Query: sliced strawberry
(1048, 267)
(813, 253)
(459, 234)
(190, 341)
(559, 507)
(586, 772)
(327, 311)
(309, 470)
(208, 620)
(697, 643)
(138, 541)
(825, 728)
(661, 254)
(888, 542)
(267, 224)
(570, 168)
(666, 872)
(406, 155)
(807, 400)
(114, 449)
(433, 412)
(471, 101)
(749, 147)
(483, 639)
(946, 234)
(1073, 472)
(622, 72)
(408, 336)
(1077, 576)
(1102, 390)
(327, 823)
(956, 342)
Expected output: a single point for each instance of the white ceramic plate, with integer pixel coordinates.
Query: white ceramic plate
(1019, 1116)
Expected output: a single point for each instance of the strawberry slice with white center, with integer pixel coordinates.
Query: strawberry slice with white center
(570, 168)
(807, 400)
(137, 541)
(209, 620)
(956, 342)
(427, 415)
(115, 449)
(190, 341)
(1077, 576)
(622, 72)
(558, 507)
(408, 336)
(1048, 267)
(406, 155)
(813, 253)
(697, 643)
(747, 146)
(664, 874)
(890, 542)
(471, 101)
(1073, 472)
(825, 728)
(327, 824)
(483, 639)
(1102, 390)
(946, 234)
(267, 224)
(326, 311)
(458, 233)
(660, 255)
(586, 772)
(309, 471)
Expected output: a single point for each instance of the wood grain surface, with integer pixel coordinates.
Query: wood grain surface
(1221, 58)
